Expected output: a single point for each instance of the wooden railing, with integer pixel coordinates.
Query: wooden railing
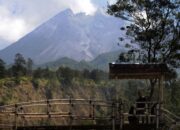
(75, 111)
(173, 119)
(16, 115)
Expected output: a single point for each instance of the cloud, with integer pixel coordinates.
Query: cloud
(112, 1)
(19, 17)
(11, 28)
(79, 5)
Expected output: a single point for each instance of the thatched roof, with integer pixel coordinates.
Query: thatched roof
(137, 71)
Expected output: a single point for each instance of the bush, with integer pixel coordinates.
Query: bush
(35, 83)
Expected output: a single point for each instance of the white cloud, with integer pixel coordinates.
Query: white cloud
(11, 28)
(82, 6)
(18, 17)
(112, 1)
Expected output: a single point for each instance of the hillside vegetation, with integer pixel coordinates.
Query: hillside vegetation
(21, 83)
(101, 62)
(34, 88)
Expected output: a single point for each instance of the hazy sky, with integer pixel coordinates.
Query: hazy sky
(18, 17)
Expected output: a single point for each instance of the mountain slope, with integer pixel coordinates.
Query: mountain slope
(76, 36)
(101, 62)
(67, 62)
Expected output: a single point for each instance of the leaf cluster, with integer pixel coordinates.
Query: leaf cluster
(154, 28)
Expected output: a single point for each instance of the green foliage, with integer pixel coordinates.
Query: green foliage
(2, 69)
(65, 82)
(7, 98)
(98, 75)
(123, 57)
(42, 73)
(18, 69)
(29, 66)
(35, 83)
(37, 73)
(154, 27)
(102, 61)
(65, 75)
(67, 62)
(8, 82)
(48, 93)
(19, 66)
(86, 73)
(172, 96)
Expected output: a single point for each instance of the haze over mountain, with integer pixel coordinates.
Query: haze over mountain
(76, 36)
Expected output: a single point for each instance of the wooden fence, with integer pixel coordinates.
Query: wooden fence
(73, 112)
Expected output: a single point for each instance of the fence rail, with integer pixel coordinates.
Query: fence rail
(74, 111)
(20, 114)
(173, 119)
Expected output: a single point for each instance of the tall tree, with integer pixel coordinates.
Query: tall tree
(19, 66)
(154, 27)
(2, 69)
(29, 66)
(65, 75)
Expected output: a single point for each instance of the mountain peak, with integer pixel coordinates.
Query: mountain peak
(67, 35)
(67, 12)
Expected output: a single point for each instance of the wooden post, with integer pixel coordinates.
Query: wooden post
(93, 113)
(22, 117)
(70, 113)
(113, 116)
(48, 108)
(146, 118)
(121, 115)
(15, 117)
(160, 100)
(157, 116)
(90, 108)
(161, 94)
(48, 105)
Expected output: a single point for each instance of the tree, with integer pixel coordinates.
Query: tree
(37, 73)
(86, 73)
(2, 69)
(98, 75)
(154, 27)
(29, 66)
(43, 73)
(65, 75)
(19, 66)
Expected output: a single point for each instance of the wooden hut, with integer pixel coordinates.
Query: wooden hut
(142, 71)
